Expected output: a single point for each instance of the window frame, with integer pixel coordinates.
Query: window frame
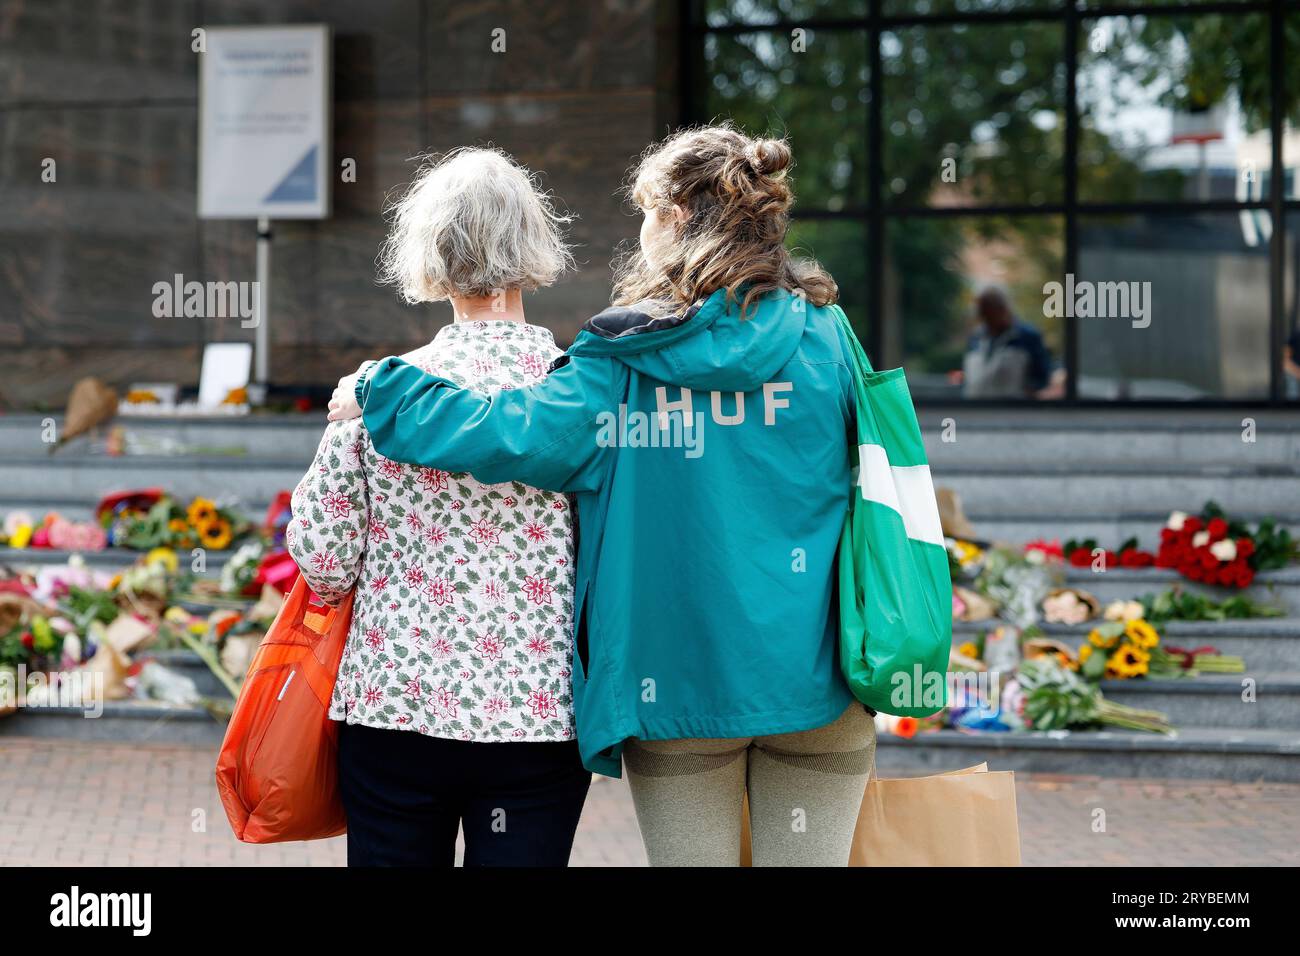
(1069, 15)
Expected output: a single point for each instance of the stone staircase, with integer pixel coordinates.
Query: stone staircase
(1022, 474)
(1038, 473)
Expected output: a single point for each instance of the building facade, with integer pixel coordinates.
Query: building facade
(943, 147)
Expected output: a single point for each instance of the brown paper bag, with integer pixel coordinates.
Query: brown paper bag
(960, 818)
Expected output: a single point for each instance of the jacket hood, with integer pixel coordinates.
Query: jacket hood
(708, 347)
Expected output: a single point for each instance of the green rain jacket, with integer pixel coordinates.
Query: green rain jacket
(709, 459)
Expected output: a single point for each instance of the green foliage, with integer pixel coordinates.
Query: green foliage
(1176, 604)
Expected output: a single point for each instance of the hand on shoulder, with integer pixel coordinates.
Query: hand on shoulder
(343, 404)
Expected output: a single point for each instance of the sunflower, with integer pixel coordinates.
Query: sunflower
(968, 649)
(201, 512)
(164, 556)
(215, 534)
(967, 553)
(1128, 662)
(178, 526)
(1141, 634)
(1102, 640)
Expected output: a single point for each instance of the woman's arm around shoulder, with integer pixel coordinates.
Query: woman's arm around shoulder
(544, 435)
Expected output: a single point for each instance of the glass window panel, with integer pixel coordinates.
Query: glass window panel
(974, 114)
(912, 8)
(935, 272)
(817, 97)
(1173, 108)
(1185, 311)
(840, 245)
(1291, 130)
(1291, 310)
(761, 12)
(1157, 3)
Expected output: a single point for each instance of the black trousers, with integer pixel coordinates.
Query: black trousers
(405, 795)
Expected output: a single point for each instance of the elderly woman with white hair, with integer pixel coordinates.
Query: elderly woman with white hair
(454, 690)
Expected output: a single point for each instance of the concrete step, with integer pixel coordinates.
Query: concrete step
(1265, 643)
(87, 478)
(83, 508)
(1280, 588)
(288, 436)
(110, 559)
(1108, 530)
(1014, 489)
(1211, 753)
(121, 721)
(1114, 433)
(1216, 700)
(1084, 444)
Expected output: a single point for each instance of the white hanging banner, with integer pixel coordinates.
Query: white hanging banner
(264, 122)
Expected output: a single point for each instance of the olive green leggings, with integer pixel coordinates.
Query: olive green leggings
(805, 790)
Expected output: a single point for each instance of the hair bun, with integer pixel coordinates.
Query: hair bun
(768, 156)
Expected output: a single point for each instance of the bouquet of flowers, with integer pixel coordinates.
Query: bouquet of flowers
(1082, 552)
(1118, 649)
(1214, 549)
(167, 524)
(1056, 698)
(1180, 605)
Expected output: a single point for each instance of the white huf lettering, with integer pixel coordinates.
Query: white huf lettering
(665, 406)
(722, 419)
(771, 403)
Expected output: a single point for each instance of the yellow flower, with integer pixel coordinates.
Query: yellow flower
(164, 556)
(1085, 652)
(178, 526)
(968, 649)
(1100, 640)
(215, 534)
(201, 512)
(967, 552)
(1128, 662)
(1141, 633)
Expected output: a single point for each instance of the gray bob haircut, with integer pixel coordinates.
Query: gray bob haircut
(472, 223)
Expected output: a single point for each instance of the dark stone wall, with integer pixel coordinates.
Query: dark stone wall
(108, 89)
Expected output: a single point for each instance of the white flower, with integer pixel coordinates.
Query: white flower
(1200, 539)
(1225, 550)
(1176, 520)
(1123, 611)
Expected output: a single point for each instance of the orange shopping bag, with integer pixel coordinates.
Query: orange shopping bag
(277, 771)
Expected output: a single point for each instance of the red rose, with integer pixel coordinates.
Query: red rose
(1080, 557)
(1191, 526)
(1245, 547)
(28, 640)
(1217, 528)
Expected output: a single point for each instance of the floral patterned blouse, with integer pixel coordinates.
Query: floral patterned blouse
(464, 591)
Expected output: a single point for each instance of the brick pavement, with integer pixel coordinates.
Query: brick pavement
(65, 802)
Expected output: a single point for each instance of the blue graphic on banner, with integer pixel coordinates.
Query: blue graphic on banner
(300, 184)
